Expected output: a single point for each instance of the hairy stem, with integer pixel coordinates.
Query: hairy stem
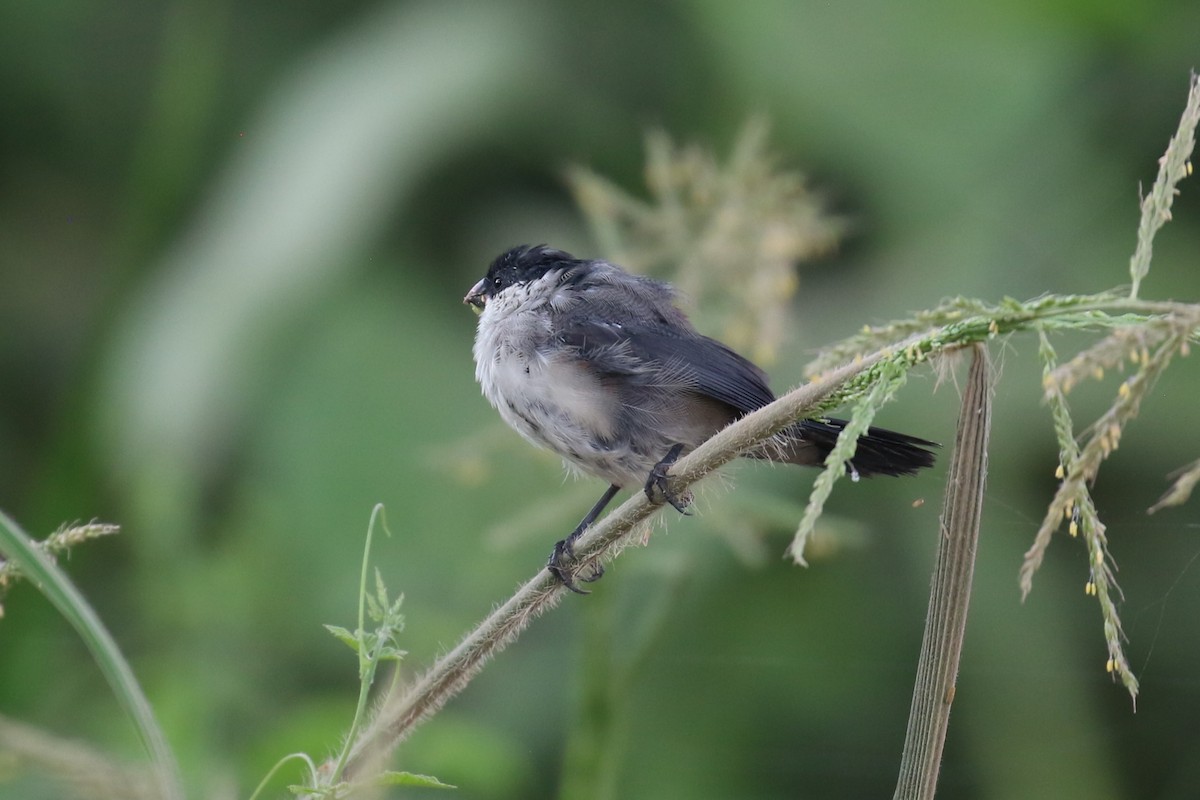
(409, 705)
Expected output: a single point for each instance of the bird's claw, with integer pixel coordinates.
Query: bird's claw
(658, 490)
(560, 566)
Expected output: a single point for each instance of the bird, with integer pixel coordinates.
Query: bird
(601, 367)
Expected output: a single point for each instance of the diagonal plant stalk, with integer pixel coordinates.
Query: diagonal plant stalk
(950, 592)
(408, 706)
(951, 329)
(876, 356)
(896, 348)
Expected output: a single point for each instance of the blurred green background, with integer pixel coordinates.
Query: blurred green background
(233, 243)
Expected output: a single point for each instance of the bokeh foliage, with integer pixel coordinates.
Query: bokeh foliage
(233, 239)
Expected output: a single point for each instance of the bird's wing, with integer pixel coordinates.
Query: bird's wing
(650, 355)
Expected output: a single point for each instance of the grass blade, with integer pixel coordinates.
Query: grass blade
(58, 589)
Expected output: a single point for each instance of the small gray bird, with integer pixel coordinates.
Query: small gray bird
(599, 366)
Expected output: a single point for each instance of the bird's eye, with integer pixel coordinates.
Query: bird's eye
(497, 282)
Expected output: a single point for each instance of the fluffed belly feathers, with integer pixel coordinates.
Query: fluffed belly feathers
(597, 427)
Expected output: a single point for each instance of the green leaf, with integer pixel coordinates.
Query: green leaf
(411, 779)
(373, 609)
(389, 653)
(343, 635)
(380, 589)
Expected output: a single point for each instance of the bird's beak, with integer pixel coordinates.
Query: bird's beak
(476, 298)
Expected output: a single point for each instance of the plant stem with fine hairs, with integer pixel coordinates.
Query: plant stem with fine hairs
(409, 705)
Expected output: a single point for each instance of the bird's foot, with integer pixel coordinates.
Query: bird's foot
(658, 490)
(561, 565)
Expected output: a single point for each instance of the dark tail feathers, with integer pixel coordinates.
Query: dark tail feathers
(880, 452)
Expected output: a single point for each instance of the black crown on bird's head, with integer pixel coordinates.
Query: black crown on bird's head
(525, 263)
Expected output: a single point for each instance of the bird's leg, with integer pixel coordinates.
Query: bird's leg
(657, 490)
(564, 550)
